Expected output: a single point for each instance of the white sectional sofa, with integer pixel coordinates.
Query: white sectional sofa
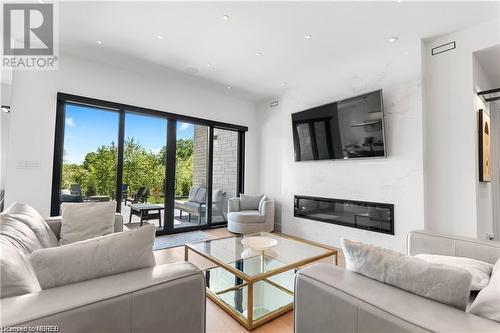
(168, 298)
(332, 299)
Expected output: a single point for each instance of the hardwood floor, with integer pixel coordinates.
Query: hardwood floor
(218, 321)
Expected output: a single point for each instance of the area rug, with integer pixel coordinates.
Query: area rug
(168, 241)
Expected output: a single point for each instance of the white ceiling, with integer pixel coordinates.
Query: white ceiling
(489, 59)
(196, 34)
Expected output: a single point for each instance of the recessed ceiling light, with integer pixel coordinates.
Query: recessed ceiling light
(229, 87)
(399, 1)
(225, 17)
(160, 36)
(209, 65)
(99, 42)
(258, 53)
(308, 37)
(393, 39)
(283, 84)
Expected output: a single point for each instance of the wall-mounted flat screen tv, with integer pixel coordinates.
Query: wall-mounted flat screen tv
(351, 128)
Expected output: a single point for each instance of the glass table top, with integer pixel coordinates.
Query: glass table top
(232, 253)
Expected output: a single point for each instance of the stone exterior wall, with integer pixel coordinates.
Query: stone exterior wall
(200, 158)
(225, 168)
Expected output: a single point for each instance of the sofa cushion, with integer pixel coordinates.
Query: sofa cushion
(479, 270)
(445, 284)
(201, 195)
(250, 202)
(97, 257)
(487, 302)
(191, 206)
(246, 216)
(31, 218)
(17, 241)
(192, 193)
(81, 221)
(17, 275)
(19, 234)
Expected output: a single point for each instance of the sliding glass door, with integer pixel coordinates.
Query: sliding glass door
(191, 175)
(174, 171)
(89, 155)
(225, 182)
(143, 175)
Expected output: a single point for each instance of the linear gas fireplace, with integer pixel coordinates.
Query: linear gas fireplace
(371, 216)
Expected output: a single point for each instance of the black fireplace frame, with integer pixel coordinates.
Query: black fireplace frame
(296, 212)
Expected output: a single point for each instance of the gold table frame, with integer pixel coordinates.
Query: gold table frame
(249, 281)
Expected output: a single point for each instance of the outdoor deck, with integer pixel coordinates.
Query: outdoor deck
(178, 222)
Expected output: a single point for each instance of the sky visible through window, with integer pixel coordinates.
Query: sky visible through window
(88, 128)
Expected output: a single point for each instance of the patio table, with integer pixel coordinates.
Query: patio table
(146, 212)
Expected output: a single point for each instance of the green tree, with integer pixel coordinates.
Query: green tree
(143, 168)
(97, 174)
(73, 174)
(183, 165)
(100, 167)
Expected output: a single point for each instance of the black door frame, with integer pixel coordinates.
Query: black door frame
(172, 118)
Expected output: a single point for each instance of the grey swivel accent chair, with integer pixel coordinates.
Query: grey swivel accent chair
(249, 221)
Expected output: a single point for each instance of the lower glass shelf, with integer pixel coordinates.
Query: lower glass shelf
(269, 295)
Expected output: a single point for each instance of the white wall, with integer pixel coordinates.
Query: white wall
(34, 105)
(450, 158)
(4, 133)
(398, 179)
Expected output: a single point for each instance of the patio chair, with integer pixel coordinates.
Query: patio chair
(195, 204)
(141, 196)
(219, 206)
(124, 191)
(66, 196)
(75, 189)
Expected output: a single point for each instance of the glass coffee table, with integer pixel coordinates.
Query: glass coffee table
(256, 286)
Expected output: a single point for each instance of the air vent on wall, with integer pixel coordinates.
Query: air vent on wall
(273, 104)
(443, 48)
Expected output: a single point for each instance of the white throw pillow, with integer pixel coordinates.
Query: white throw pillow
(487, 302)
(445, 284)
(250, 202)
(30, 217)
(97, 257)
(17, 275)
(81, 221)
(20, 235)
(479, 270)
